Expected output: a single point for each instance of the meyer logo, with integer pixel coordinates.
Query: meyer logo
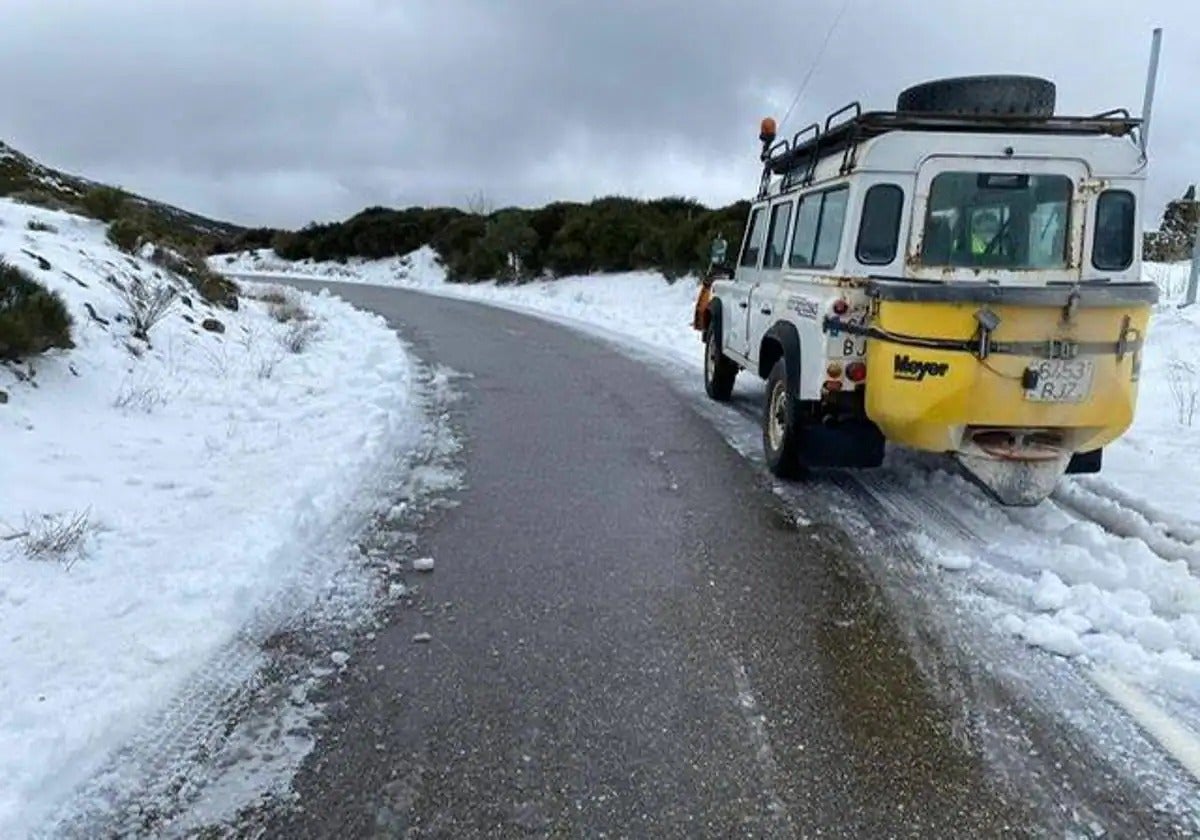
(906, 367)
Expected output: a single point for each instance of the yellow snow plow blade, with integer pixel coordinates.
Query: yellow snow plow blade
(1005, 375)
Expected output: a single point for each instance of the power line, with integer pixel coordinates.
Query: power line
(816, 61)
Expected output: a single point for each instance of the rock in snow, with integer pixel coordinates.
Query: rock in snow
(423, 564)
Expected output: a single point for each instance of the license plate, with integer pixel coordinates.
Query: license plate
(1062, 380)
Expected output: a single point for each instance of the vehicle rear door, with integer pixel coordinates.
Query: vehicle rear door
(1007, 220)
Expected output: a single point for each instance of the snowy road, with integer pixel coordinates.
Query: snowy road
(634, 631)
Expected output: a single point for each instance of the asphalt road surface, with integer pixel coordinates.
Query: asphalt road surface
(630, 636)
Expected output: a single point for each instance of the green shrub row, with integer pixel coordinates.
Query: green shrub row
(671, 235)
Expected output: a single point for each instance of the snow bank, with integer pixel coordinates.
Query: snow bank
(641, 305)
(207, 471)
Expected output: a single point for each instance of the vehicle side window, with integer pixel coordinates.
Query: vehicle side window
(804, 241)
(1113, 246)
(833, 219)
(781, 214)
(879, 229)
(754, 240)
(819, 223)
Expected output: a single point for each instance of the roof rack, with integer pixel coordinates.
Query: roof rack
(797, 159)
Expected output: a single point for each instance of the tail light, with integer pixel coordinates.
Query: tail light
(840, 307)
(856, 371)
(834, 371)
(833, 385)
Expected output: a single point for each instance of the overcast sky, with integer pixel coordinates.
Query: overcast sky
(279, 112)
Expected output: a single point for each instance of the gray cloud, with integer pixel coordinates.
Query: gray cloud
(282, 111)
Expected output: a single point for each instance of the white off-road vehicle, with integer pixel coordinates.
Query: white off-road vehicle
(961, 275)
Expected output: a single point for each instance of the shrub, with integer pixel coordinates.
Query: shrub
(217, 290)
(44, 199)
(287, 311)
(33, 319)
(269, 296)
(104, 203)
(146, 304)
(126, 233)
(57, 537)
(298, 336)
(38, 226)
(143, 398)
(1184, 382)
(212, 287)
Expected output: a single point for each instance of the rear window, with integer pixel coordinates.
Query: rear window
(1001, 220)
(879, 230)
(1113, 247)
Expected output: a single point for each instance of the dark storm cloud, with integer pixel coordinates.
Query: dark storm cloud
(281, 111)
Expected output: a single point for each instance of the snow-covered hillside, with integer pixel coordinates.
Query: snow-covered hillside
(1107, 573)
(157, 499)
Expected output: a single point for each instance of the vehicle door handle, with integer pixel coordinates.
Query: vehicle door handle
(766, 310)
(743, 305)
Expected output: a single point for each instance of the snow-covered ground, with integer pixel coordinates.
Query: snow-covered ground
(1106, 574)
(197, 486)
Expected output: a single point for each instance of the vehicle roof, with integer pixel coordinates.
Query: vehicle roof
(900, 143)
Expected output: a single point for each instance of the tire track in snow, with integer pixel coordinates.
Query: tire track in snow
(1180, 742)
(1112, 511)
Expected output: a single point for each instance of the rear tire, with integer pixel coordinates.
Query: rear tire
(781, 427)
(719, 371)
(991, 95)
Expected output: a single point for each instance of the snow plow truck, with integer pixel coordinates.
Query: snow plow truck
(961, 275)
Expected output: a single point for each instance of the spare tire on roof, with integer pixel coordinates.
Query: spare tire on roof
(992, 95)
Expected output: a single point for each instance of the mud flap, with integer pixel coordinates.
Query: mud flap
(1086, 463)
(1019, 483)
(852, 445)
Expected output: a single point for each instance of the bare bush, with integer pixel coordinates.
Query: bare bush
(1185, 389)
(267, 364)
(59, 537)
(144, 398)
(1171, 281)
(289, 311)
(282, 304)
(299, 336)
(268, 294)
(146, 304)
(38, 226)
(218, 359)
(479, 204)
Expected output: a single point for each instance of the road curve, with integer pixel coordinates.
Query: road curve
(630, 636)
